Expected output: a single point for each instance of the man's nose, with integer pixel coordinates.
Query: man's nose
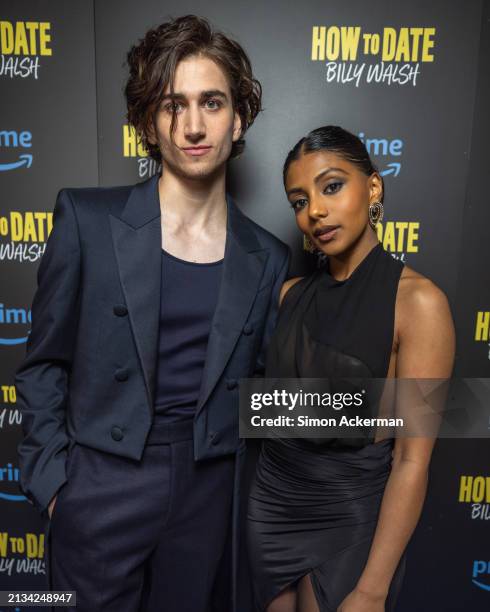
(194, 128)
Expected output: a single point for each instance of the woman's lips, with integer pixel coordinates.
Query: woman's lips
(325, 236)
(196, 151)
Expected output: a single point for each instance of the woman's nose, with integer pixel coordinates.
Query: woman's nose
(317, 208)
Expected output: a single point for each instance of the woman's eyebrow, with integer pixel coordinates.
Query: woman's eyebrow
(294, 190)
(317, 178)
(323, 173)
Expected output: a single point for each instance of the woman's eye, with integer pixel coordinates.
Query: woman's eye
(333, 187)
(298, 204)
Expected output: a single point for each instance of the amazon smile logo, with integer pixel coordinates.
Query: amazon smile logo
(10, 139)
(481, 570)
(382, 147)
(9, 481)
(16, 317)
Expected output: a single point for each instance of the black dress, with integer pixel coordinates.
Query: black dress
(313, 508)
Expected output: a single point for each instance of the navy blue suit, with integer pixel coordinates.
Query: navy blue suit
(88, 377)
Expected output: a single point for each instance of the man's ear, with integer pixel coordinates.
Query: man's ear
(237, 127)
(150, 134)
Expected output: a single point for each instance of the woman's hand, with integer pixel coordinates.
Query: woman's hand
(360, 601)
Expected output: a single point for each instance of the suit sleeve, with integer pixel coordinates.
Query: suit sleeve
(42, 380)
(271, 319)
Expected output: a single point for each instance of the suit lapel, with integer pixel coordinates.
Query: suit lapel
(137, 238)
(243, 267)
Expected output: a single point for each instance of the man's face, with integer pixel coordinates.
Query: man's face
(206, 124)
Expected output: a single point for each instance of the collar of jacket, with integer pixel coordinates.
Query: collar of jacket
(143, 206)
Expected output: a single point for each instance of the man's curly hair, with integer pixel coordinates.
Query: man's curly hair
(152, 64)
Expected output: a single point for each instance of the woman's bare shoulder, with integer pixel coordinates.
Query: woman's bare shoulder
(417, 294)
(287, 286)
(425, 328)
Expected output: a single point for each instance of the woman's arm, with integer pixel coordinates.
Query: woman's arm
(425, 350)
(287, 286)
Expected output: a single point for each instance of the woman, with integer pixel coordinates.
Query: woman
(328, 523)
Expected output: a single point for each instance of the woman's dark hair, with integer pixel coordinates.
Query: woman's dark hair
(152, 64)
(336, 140)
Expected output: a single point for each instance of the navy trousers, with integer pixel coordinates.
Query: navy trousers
(153, 535)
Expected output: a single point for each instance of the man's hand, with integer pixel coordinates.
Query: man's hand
(51, 506)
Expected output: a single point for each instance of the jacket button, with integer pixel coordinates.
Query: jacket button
(121, 374)
(215, 437)
(231, 384)
(117, 433)
(120, 310)
(248, 329)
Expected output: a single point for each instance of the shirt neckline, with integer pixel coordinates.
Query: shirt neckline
(332, 280)
(191, 263)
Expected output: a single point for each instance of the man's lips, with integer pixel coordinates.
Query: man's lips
(197, 150)
(325, 233)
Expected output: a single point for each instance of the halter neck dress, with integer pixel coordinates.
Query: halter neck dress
(313, 507)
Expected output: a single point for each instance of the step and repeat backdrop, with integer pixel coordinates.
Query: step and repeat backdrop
(410, 78)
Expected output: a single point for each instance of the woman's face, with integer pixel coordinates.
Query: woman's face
(330, 197)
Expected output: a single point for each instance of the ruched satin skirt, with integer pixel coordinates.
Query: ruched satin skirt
(314, 510)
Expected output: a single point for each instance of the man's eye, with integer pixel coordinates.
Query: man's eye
(213, 104)
(172, 107)
(298, 204)
(333, 187)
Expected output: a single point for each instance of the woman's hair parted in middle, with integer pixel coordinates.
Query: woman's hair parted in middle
(152, 64)
(334, 139)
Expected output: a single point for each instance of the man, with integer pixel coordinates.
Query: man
(152, 301)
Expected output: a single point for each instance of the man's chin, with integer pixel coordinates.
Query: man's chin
(199, 172)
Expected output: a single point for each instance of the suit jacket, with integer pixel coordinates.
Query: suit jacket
(89, 371)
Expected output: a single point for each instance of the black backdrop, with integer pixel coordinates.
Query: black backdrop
(62, 125)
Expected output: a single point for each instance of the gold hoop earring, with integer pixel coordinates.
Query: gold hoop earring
(376, 212)
(307, 244)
